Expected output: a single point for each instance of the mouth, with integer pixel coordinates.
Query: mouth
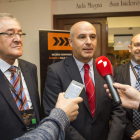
(18, 47)
(88, 49)
(138, 54)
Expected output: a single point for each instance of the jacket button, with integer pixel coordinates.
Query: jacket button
(24, 128)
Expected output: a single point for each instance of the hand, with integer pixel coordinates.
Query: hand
(69, 106)
(130, 97)
(136, 135)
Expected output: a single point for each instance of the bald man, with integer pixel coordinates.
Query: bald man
(126, 74)
(97, 108)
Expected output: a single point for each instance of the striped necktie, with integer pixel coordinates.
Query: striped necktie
(90, 89)
(15, 82)
(136, 115)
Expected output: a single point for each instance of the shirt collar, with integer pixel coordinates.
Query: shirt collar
(4, 66)
(133, 63)
(81, 64)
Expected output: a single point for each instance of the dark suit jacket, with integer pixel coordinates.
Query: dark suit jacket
(11, 122)
(59, 76)
(122, 75)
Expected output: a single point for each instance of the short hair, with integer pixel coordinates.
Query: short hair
(71, 32)
(131, 41)
(7, 15)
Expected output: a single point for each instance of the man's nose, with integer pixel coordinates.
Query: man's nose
(138, 50)
(88, 40)
(17, 37)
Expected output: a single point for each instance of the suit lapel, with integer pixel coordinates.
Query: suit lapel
(126, 73)
(28, 79)
(74, 73)
(26, 75)
(4, 88)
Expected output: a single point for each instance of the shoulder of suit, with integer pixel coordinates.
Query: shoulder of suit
(121, 68)
(25, 62)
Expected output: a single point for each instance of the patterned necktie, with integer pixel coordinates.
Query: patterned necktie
(15, 82)
(136, 115)
(90, 89)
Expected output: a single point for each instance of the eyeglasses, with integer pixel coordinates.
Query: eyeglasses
(11, 35)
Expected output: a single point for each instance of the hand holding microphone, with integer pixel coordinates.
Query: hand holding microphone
(104, 68)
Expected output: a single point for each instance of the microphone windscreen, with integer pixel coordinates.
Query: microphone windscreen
(103, 66)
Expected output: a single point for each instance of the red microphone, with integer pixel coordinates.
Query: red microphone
(104, 68)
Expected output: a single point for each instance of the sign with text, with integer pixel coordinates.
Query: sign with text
(54, 46)
(96, 6)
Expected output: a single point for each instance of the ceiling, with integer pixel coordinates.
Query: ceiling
(120, 31)
(122, 25)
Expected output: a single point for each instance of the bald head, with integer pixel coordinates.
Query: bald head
(134, 37)
(79, 25)
(134, 49)
(83, 41)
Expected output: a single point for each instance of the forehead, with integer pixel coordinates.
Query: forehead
(84, 28)
(7, 23)
(136, 38)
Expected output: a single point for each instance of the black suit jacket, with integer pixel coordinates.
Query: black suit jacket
(59, 76)
(122, 75)
(11, 122)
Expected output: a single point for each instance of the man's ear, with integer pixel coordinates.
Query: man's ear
(129, 48)
(70, 41)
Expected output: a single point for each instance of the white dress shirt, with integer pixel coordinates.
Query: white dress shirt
(133, 79)
(4, 66)
(82, 71)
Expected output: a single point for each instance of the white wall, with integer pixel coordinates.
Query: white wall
(32, 16)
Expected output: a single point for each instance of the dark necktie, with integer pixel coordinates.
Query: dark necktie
(15, 82)
(90, 89)
(136, 115)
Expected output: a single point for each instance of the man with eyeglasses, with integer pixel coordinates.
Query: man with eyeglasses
(19, 97)
(130, 74)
